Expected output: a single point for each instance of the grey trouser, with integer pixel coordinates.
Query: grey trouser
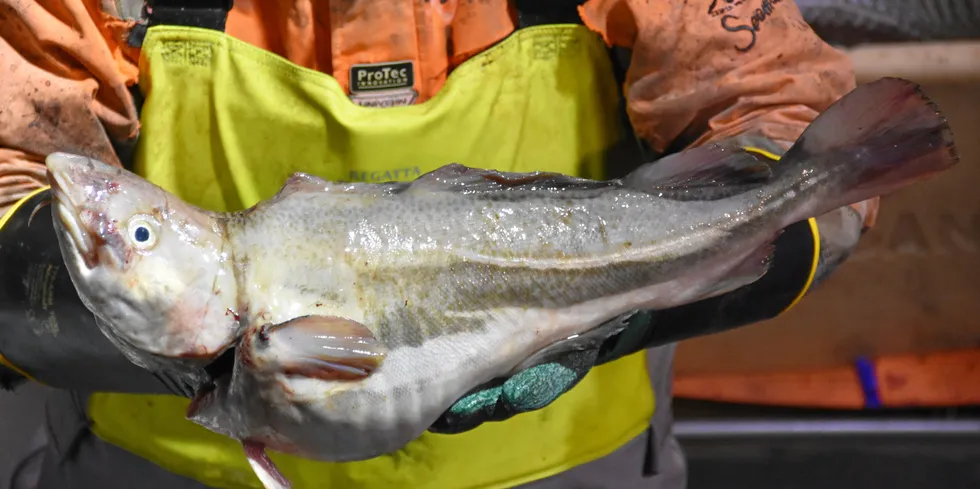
(74, 458)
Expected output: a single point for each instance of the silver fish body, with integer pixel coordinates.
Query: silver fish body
(460, 287)
(360, 312)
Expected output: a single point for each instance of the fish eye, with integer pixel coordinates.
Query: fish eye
(143, 231)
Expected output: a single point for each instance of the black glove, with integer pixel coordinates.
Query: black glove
(805, 253)
(789, 276)
(46, 333)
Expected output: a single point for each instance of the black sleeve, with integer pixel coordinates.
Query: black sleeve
(789, 277)
(46, 333)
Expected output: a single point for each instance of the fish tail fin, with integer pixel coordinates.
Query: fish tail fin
(879, 138)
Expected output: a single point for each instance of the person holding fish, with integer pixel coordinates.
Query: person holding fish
(393, 317)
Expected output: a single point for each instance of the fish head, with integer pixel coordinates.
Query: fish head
(154, 269)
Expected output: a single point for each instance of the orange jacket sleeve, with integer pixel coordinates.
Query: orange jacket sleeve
(707, 69)
(65, 79)
(703, 70)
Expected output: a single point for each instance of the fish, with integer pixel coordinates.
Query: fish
(350, 316)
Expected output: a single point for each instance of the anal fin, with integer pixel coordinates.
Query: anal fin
(591, 339)
(322, 347)
(753, 267)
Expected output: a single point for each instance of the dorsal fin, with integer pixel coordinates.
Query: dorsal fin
(300, 181)
(463, 178)
(709, 172)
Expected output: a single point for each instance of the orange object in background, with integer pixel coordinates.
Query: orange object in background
(943, 379)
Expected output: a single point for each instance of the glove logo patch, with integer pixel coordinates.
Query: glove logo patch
(40, 284)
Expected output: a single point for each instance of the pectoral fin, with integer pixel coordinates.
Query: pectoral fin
(322, 347)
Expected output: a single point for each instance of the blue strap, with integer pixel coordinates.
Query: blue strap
(869, 382)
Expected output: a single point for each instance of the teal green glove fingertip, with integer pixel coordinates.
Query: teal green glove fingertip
(538, 386)
(476, 401)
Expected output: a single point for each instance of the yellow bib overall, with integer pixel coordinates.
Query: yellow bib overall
(225, 123)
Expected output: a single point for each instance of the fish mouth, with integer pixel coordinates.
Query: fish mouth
(68, 210)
